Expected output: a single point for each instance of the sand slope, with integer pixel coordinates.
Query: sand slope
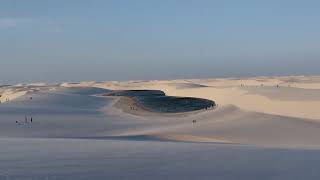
(40, 159)
(258, 115)
(78, 133)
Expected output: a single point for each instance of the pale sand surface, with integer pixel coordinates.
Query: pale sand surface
(135, 160)
(257, 131)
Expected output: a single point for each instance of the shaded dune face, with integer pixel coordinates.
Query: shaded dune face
(157, 101)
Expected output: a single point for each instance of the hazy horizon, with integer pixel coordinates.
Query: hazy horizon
(56, 41)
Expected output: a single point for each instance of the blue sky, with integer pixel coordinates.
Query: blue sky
(74, 40)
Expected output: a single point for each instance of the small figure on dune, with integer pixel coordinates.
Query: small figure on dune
(194, 121)
(17, 122)
(278, 86)
(133, 108)
(31, 120)
(30, 98)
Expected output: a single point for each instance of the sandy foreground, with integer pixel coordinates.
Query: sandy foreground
(262, 128)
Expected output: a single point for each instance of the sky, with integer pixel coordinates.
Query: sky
(102, 40)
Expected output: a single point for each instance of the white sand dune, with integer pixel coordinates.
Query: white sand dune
(9, 94)
(257, 115)
(257, 94)
(254, 117)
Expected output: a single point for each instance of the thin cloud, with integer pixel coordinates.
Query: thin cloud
(6, 23)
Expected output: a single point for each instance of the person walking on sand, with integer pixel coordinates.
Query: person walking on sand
(31, 120)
